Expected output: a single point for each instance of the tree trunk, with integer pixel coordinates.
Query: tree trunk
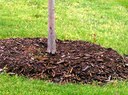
(51, 27)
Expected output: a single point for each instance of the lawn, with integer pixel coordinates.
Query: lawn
(22, 86)
(104, 22)
(75, 19)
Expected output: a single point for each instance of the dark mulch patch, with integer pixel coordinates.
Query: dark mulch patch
(75, 61)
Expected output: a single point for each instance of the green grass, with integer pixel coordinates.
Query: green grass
(123, 3)
(22, 86)
(75, 20)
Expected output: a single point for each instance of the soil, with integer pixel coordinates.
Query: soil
(75, 61)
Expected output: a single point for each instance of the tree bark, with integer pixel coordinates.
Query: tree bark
(51, 27)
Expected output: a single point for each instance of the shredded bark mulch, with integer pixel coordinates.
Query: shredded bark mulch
(75, 61)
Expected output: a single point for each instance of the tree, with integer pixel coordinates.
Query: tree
(51, 43)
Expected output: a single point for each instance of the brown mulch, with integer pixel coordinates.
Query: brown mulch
(75, 61)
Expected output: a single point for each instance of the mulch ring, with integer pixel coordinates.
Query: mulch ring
(75, 61)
